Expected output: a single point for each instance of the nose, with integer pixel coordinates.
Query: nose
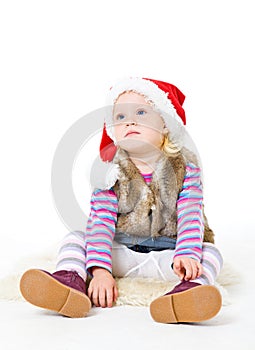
(130, 122)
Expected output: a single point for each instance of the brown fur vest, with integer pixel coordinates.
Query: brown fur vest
(150, 210)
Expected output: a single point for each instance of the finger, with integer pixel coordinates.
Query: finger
(194, 272)
(89, 291)
(101, 298)
(115, 294)
(179, 273)
(192, 268)
(177, 264)
(95, 301)
(188, 273)
(197, 270)
(94, 297)
(200, 270)
(109, 297)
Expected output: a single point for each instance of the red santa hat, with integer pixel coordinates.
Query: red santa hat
(166, 98)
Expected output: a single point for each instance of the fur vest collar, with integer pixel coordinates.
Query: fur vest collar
(150, 209)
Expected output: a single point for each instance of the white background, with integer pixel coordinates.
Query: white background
(58, 60)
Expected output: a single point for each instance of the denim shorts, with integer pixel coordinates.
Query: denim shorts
(145, 244)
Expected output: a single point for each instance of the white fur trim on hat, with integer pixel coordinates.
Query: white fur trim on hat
(151, 92)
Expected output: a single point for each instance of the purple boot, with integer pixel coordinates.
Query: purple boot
(187, 302)
(62, 291)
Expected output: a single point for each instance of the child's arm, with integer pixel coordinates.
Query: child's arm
(188, 250)
(99, 237)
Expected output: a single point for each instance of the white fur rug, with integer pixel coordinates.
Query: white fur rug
(132, 291)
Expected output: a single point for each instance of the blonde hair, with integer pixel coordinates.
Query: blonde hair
(169, 147)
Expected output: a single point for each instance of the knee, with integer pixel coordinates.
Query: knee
(209, 249)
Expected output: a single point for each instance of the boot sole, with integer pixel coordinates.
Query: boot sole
(41, 289)
(193, 305)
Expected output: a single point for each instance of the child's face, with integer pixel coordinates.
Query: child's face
(136, 124)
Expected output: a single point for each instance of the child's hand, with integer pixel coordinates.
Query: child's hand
(187, 268)
(102, 288)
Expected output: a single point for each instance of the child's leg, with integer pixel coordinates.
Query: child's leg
(212, 262)
(72, 254)
(192, 301)
(63, 291)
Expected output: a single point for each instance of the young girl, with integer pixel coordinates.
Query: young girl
(147, 220)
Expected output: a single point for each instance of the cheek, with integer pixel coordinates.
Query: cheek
(117, 131)
(154, 122)
(158, 125)
(154, 136)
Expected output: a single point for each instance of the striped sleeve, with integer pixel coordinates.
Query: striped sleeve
(190, 226)
(101, 229)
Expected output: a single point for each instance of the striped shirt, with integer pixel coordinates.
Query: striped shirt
(147, 177)
(103, 218)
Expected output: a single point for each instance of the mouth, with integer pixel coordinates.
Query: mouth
(131, 132)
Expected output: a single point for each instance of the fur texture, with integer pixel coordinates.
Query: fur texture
(132, 291)
(151, 209)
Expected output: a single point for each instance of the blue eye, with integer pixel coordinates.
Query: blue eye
(120, 117)
(141, 112)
